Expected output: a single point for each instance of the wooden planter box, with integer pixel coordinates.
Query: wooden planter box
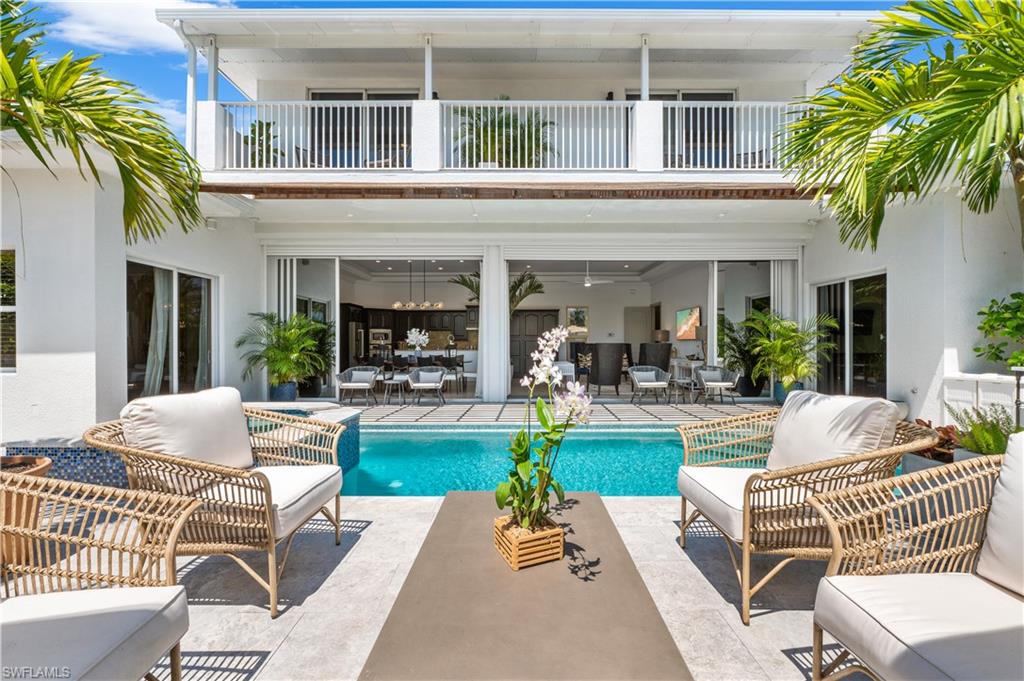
(521, 548)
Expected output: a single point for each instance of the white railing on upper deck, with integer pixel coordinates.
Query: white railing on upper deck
(511, 135)
(725, 135)
(331, 135)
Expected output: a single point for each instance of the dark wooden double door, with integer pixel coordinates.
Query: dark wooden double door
(524, 328)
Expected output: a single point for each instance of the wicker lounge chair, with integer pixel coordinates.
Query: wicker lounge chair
(751, 476)
(356, 379)
(427, 379)
(927, 577)
(89, 579)
(649, 378)
(260, 475)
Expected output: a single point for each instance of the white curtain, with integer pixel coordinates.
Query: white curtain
(159, 331)
(203, 361)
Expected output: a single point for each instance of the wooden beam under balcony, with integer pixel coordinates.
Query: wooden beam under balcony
(648, 191)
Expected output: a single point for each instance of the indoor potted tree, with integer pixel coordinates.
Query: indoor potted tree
(788, 350)
(738, 344)
(527, 536)
(286, 349)
(313, 386)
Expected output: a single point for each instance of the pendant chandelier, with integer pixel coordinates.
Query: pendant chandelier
(412, 304)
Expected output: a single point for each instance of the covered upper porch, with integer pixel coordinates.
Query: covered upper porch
(345, 94)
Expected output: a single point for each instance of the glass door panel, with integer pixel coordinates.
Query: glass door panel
(149, 306)
(867, 336)
(194, 362)
(832, 364)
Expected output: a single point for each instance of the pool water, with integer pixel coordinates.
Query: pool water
(433, 461)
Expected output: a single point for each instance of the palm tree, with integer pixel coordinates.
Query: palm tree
(521, 287)
(70, 103)
(937, 92)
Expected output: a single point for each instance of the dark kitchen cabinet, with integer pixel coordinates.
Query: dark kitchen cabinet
(380, 319)
(472, 317)
(434, 321)
(459, 326)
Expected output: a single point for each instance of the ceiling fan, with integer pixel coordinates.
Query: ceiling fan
(588, 281)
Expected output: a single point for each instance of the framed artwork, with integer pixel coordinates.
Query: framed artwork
(687, 321)
(577, 321)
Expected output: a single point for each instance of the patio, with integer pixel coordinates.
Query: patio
(611, 412)
(335, 599)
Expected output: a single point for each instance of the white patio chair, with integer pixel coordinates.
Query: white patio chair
(361, 378)
(567, 369)
(716, 380)
(648, 378)
(427, 380)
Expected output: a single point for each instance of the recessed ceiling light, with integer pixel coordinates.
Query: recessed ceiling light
(462, 261)
(433, 261)
(376, 261)
(348, 215)
(390, 268)
(529, 266)
(440, 268)
(625, 267)
(721, 215)
(408, 260)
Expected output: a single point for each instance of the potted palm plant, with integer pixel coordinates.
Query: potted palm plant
(788, 350)
(527, 536)
(495, 137)
(738, 344)
(312, 386)
(286, 349)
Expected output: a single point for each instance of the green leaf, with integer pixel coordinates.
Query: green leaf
(525, 470)
(501, 494)
(559, 491)
(545, 417)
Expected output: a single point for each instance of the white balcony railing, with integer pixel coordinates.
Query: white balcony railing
(738, 136)
(339, 135)
(647, 136)
(507, 135)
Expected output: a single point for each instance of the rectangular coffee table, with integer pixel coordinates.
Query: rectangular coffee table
(464, 614)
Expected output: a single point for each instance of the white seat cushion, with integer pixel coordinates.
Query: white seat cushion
(428, 378)
(356, 386)
(117, 633)
(298, 492)
(718, 492)
(1002, 554)
(205, 426)
(812, 427)
(652, 384)
(925, 626)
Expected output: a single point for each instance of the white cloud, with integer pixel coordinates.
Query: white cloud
(118, 26)
(172, 111)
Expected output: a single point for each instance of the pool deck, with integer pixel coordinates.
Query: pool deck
(335, 599)
(512, 412)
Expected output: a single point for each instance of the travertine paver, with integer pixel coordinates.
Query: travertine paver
(513, 412)
(335, 599)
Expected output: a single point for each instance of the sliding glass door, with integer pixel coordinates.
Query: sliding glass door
(857, 365)
(169, 316)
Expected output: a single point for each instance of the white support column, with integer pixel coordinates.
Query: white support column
(428, 68)
(336, 312)
(426, 135)
(710, 321)
(210, 135)
(493, 359)
(212, 69)
(645, 69)
(648, 136)
(190, 101)
(785, 288)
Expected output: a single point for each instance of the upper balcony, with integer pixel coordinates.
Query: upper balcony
(492, 136)
(466, 97)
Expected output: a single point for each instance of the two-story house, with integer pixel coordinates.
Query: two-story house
(627, 158)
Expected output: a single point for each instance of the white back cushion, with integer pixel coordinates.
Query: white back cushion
(362, 376)
(431, 377)
(205, 426)
(1002, 555)
(812, 427)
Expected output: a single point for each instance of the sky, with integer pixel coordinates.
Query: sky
(136, 48)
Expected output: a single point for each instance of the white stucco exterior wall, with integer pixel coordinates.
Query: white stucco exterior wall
(942, 264)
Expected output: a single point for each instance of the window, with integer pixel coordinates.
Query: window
(8, 300)
(857, 365)
(160, 361)
(350, 137)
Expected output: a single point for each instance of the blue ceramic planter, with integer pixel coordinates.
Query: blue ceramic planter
(780, 393)
(285, 392)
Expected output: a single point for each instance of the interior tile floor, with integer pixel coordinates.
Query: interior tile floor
(512, 412)
(335, 598)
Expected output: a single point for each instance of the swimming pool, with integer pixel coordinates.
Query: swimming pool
(430, 461)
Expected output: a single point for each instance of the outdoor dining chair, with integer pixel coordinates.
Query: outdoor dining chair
(427, 380)
(356, 379)
(648, 379)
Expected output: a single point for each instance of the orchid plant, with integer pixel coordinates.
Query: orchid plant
(417, 338)
(534, 451)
